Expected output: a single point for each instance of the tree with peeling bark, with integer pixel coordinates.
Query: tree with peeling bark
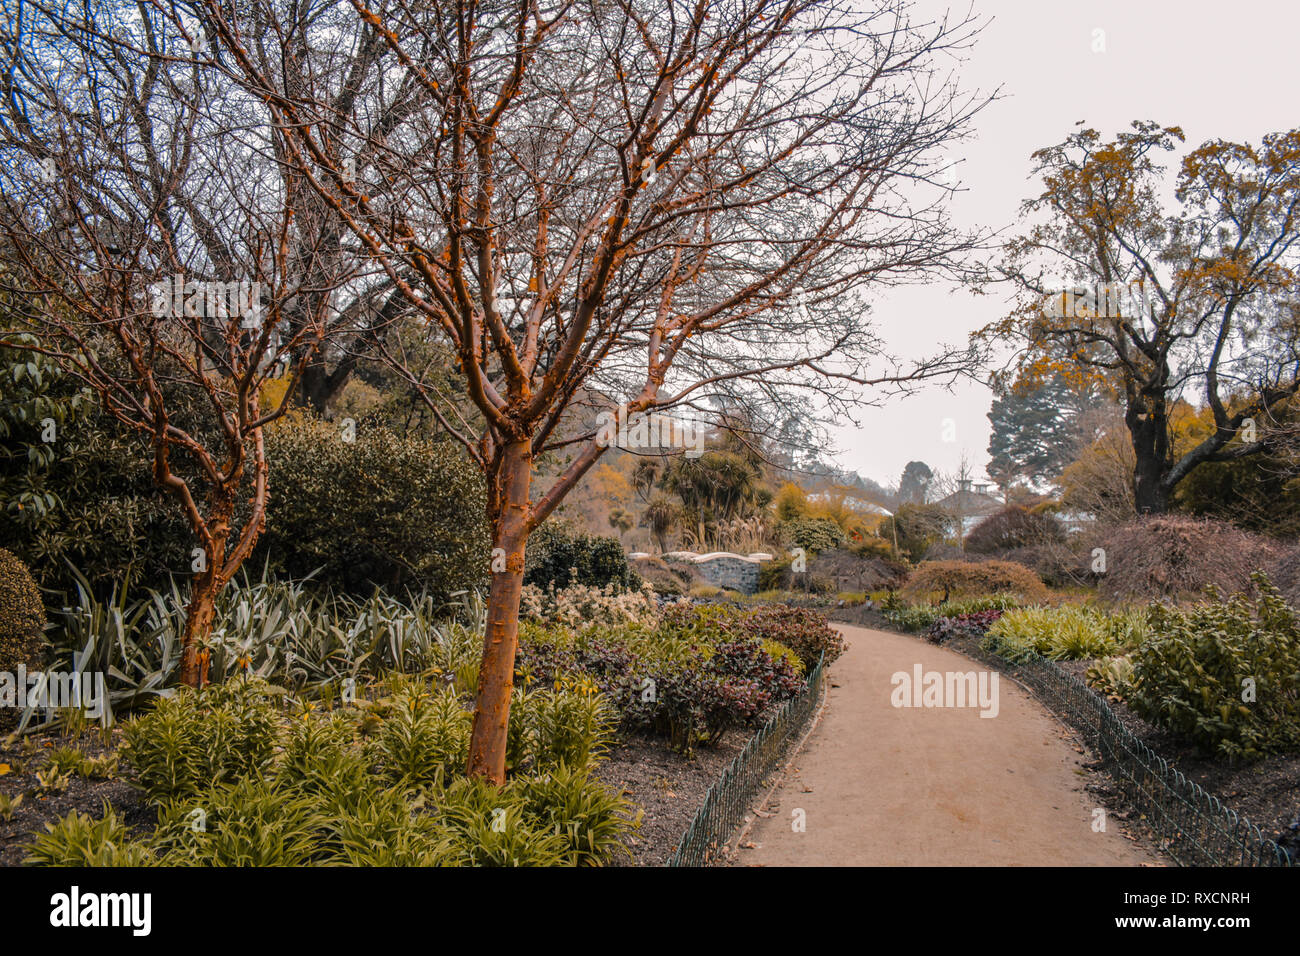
(669, 208)
(1197, 304)
(154, 252)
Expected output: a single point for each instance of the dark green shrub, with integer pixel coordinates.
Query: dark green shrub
(384, 509)
(41, 401)
(917, 528)
(558, 556)
(1223, 674)
(22, 617)
(811, 534)
(1013, 527)
(774, 575)
(86, 498)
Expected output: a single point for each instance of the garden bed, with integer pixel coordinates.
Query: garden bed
(653, 703)
(1266, 791)
(668, 788)
(25, 759)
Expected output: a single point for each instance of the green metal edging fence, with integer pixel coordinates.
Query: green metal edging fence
(727, 800)
(1197, 829)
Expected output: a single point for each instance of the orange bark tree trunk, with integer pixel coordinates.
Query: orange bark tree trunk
(198, 624)
(207, 584)
(510, 490)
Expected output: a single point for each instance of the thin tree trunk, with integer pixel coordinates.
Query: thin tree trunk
(198, 624)
(487, 748)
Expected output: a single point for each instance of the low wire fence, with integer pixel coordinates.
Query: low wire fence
(1197, 829)
(727, 801)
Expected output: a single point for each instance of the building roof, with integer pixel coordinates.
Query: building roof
(968, 503)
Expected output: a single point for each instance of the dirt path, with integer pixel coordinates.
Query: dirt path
(903, 786)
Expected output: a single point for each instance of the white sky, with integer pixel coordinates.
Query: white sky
(1220, 71)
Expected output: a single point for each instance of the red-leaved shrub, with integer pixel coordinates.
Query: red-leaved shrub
(1177, 557)
(938, 581)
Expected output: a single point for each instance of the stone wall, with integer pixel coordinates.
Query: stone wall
(722, 569)
(730, 572)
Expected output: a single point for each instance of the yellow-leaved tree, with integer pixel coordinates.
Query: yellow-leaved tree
(1195, 303)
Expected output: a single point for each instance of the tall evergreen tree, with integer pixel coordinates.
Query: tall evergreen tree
(914, 482)
(1036, 431)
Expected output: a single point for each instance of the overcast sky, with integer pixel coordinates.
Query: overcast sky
(1220, 71)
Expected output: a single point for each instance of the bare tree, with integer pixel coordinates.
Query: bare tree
(155, 252)
(682, 205)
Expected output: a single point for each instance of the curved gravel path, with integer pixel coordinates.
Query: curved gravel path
(885, 785)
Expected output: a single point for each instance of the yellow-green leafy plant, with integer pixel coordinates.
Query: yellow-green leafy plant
(573, 724)
(779, 651)
(1111, 676)
(1224, 675)
(194, 739)
(9, 804)
(425, 735)
(79, 840)
(493, 827)
(1062, 633)
(593, 820)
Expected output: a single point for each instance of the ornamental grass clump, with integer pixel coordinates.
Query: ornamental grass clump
(1061, 633)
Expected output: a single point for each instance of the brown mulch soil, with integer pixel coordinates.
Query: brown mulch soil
(668, 787)
(24, 759)
(1266, 792)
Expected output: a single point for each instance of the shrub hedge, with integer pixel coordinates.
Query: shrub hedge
(947, 580)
